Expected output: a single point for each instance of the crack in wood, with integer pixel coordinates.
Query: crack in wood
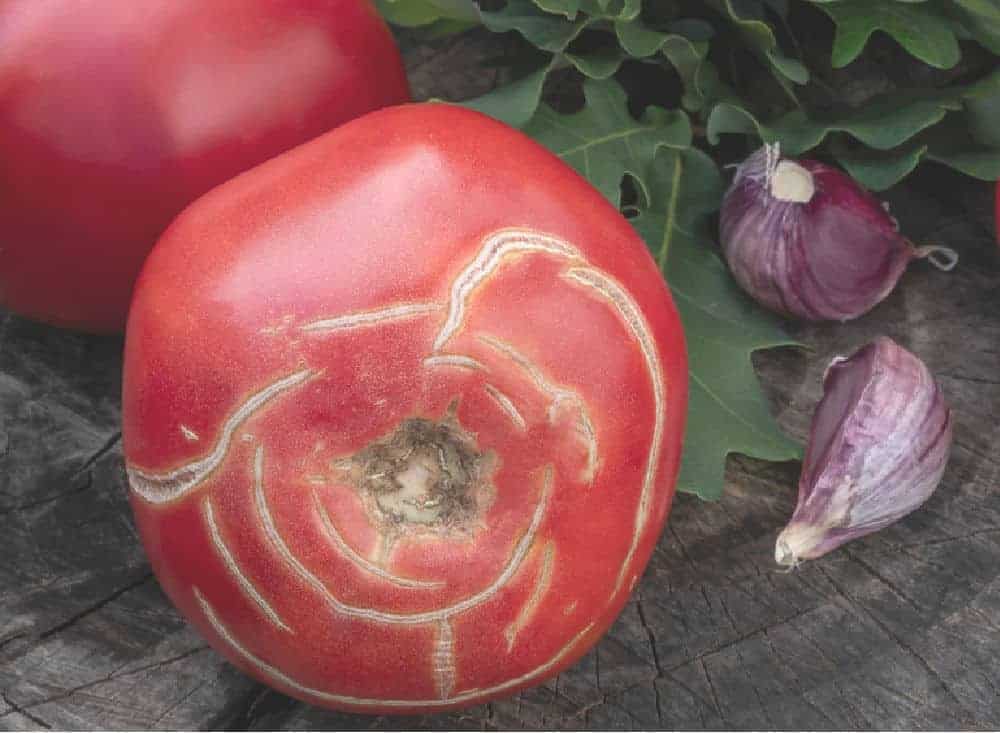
(583, 713)
(715, 694)
(95, 606)
(656, 654)
(11, 639)
(946, 540)
(882, 579)
(740, 639)
(87, 484)
(976, 452)
(109, 444)
(780, 659)
(113, 676)
(84, 468)
(743, 665)
(15, 708)
(176, 704)
(967, 378)
(899, 641)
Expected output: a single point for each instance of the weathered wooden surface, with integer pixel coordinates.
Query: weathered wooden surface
(901, 629)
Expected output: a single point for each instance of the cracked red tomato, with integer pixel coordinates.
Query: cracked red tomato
(406, 435)
(115, 114)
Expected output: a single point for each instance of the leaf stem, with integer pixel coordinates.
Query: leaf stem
(668, 228)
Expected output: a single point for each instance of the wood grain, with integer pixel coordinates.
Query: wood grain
(898, 630)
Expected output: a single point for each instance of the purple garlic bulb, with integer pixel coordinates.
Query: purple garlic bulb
(878, 445)
(806, 241)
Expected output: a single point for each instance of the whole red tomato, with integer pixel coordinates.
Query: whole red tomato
(115, 114)
(402, 413)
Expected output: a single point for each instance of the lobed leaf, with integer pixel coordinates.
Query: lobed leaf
(685, 46)
(918, 27)
(877, 170)
(949, 143)
(881, 125)
(514, 103)
(458, 14)
(981, 19)
(604, 142)
(900, 132)
(599, 64)
(759, 35)
(547, 31)
(727, 412)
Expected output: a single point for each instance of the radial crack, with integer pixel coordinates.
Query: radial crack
(292, 683)
(247, 586)
(372, 614)
(361, 562)
(613, 293)
(398, 312)
(158, 488)
(497, 247)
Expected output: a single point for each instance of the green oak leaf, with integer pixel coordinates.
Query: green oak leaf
(566, 8)
(877, 170)
(981, 18)
(952, 144)
(978, 162)
(457, 14)
(727, 413)
(604, 142)
(982, 110)
(747, 16)
(514, 103)
(549, 26)
(967, 139)
(779, 6)
(883, 128)
(547, 31)
(948, 143)
(689, 58)
(984, 120)
(881, 125)
(637, 39)
(605, 9)
(685, 45)
(599, 64)
(625, 9)
(917, 27)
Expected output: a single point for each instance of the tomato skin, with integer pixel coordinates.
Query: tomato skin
(116, 114)
(319, 319)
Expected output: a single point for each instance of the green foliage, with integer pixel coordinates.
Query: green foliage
(604, 142)
(732, 73)
(726, 412)
(743, 71)
(920, 28)
(437, 16)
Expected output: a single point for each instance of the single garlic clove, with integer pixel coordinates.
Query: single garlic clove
(878, 446)
(806, 241)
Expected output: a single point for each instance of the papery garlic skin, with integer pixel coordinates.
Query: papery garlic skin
(878, 446)
(805, 240)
